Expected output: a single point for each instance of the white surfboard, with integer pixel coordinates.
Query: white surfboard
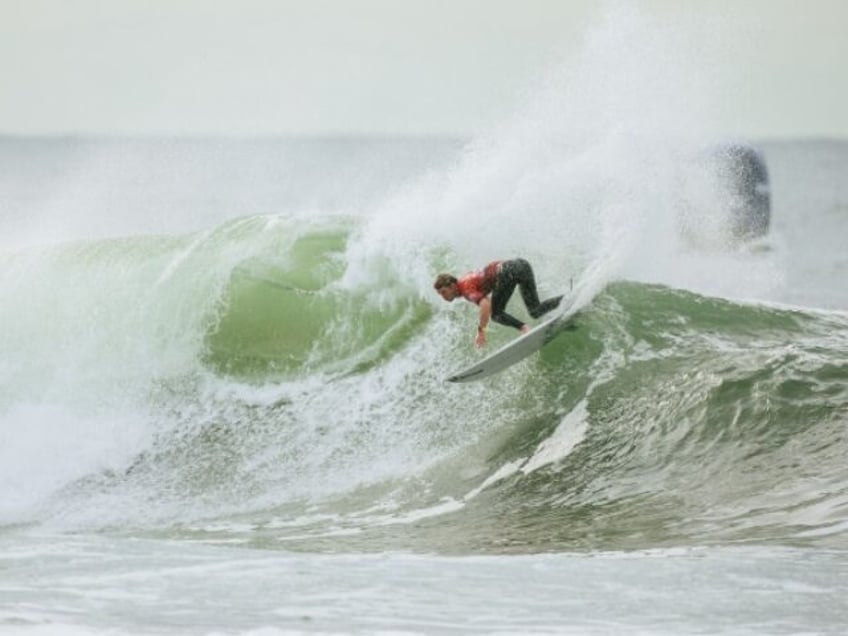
(518, 349)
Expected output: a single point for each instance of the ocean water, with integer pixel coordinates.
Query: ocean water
(223, 407)
(222, 396)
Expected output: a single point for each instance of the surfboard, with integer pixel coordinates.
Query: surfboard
(520, 348)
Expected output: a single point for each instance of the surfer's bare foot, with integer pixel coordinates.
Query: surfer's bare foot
(525, 328)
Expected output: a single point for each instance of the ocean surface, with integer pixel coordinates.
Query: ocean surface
(223, 407)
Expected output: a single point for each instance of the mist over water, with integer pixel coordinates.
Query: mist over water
(584, 177)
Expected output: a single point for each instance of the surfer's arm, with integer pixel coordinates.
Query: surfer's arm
(485, 315)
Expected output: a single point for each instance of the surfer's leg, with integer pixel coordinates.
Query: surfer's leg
(505, 319)
(523, 273)
(504, 287)
(546, 306)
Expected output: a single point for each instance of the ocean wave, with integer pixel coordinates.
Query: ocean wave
(252, 395)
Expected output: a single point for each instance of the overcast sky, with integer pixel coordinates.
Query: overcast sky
(255, 67)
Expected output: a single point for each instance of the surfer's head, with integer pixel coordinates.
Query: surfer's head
(446, 286)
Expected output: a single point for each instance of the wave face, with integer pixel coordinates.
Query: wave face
(279, 380)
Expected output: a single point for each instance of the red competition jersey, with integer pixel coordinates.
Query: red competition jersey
(476, 285)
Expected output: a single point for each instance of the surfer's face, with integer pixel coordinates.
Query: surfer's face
(448, 292)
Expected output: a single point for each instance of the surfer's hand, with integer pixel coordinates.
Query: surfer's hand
(480, 341)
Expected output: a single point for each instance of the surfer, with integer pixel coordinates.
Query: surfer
(490, 288)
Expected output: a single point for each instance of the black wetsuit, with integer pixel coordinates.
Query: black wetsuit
(517, 272)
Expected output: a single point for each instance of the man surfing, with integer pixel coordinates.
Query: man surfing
(491, 288)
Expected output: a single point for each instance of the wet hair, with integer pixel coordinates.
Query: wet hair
(444, 280)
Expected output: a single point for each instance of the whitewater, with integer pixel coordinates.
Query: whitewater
(222, 362)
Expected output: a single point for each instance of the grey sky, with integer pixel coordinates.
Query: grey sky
(253, 67)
